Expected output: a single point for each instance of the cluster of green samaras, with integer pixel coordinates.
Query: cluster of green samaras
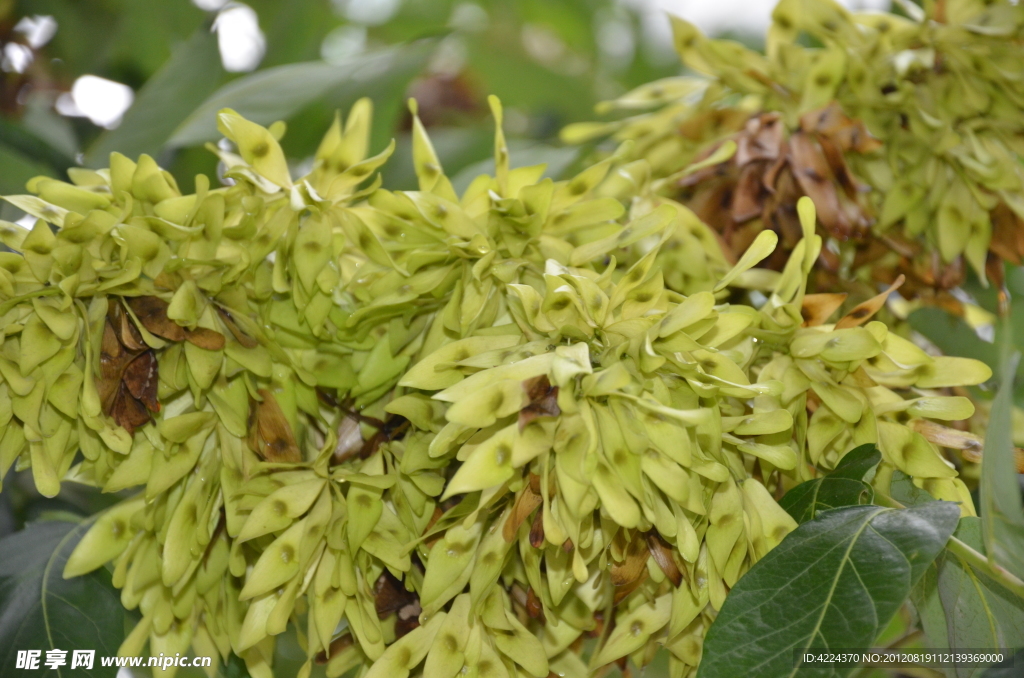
(939, 93)
(442, 435)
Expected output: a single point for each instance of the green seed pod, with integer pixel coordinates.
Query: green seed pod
(105, 540)
(810, 120)
(347, 405)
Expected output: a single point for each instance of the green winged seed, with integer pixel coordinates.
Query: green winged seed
(280, 508)
(105, 540)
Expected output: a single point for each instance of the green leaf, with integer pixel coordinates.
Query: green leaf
(30, 153)
(40, 610)
(961, 607)
(141, 34)
(278, 93)
(234, 667)
(903, 490)
(1001, 512)
(835, 582)
(1008, 668)
(54, 132)
(295, 30)
(189, 76)
(17, 168)
(7, 519)
(845, 486)
(858, 463)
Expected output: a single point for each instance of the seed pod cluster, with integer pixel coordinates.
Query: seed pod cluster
(922, 176)
(438, 434)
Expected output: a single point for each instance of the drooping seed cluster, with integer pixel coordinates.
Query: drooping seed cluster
(922, 176)
(439, 434)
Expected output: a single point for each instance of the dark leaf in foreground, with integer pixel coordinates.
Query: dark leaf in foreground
(40, 610)
(1000, 507)
(845, 486)
(1009, 668)
(834, 582)
(961, 607)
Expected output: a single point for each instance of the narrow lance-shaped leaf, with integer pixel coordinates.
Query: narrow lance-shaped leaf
(278, 93)
(961, 607)
(1002, 514)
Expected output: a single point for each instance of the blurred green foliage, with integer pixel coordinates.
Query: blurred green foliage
(544, 59)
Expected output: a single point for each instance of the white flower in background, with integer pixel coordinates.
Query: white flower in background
(38, 30)
(16, 57)
(241, 42)
(102, 101)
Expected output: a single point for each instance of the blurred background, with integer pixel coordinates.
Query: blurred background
(81, 78)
